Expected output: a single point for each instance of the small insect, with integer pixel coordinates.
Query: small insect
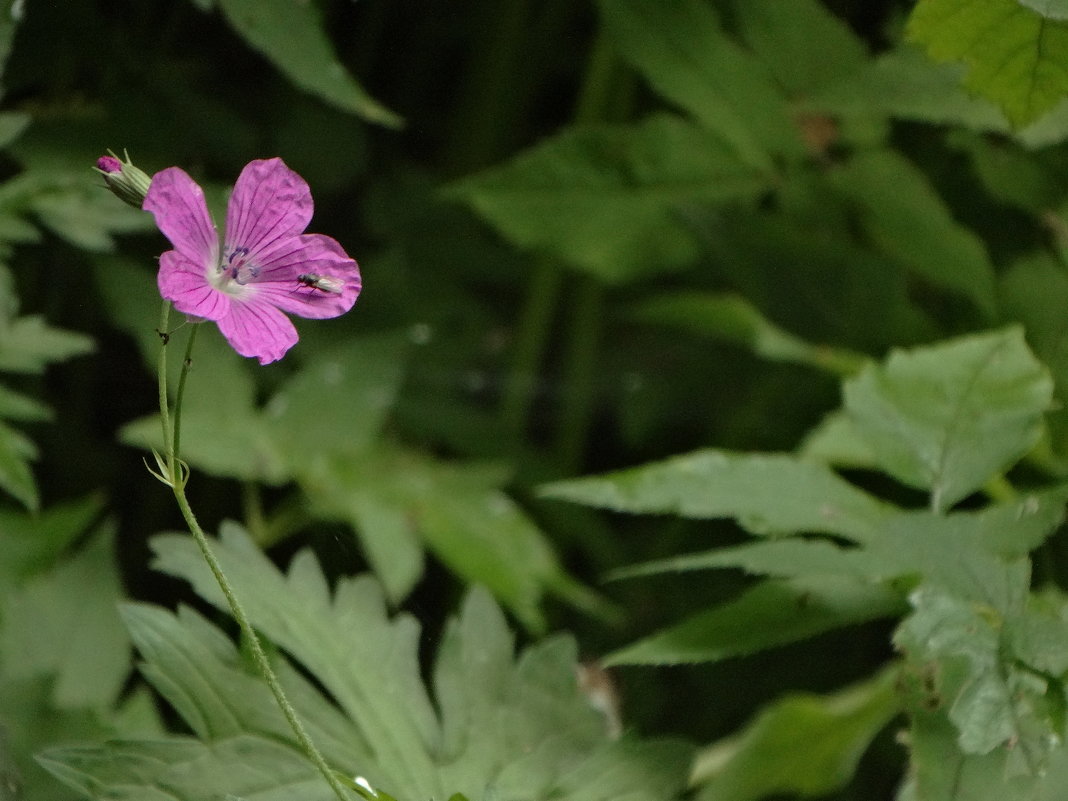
(323, 283)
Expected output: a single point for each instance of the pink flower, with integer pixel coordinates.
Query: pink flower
(263, 266)
(108, 164)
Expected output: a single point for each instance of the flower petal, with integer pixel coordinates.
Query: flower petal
(270, 204)
(312, 254)
(256, 328)
(182, 282)
(181, 214)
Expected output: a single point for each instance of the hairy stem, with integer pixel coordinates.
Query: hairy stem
(177, 474)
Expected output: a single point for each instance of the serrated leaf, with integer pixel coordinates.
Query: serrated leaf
(680, 48)
(506, 727)
(605, 199)
(948, 417)
(1015, 56)
(802, 43)
(291, 35)
(906, 219)
(734, 319)
(802, 744)
(767, 493)
(769, 614)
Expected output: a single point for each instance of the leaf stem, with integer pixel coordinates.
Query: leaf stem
(178, 476)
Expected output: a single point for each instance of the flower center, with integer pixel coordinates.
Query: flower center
(236, 267)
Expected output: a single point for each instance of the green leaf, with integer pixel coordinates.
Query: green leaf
(905, 218)
(64, 623)
(768, 494)
(457, 511)
(734, 319)
(769, 614)
(16, 477)
(29, 343)
(1051, 9)
(33, 542)
(802, 744)
(679, 47)
(948, 417)
(804, 45)
(904, 83)
(1015, 56)
(497, 726)
(606, 199)
(992, 698)
(291, 35)
(16, 406)
(12, 123)
(1034, 291)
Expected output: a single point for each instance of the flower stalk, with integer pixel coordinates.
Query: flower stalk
(175, 473)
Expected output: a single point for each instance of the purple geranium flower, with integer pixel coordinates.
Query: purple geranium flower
(263, 266)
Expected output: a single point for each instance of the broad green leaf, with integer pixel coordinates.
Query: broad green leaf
(64, 623)
(805, 270)
(499, 727)
(30, 543)
(947, 418)
(16, 406)
(679, 47)
(836, 441)
(906, 219)
(769, 614)
(291, 35)
(904, 83)
(1034, 291)
(28, 344)
(802, 744)
(337, 403)
(16, 478)
(805, 45)
(456, 511)
(767, 493)
(606, 199)
(1051, 9)
(1014, 55)
(734, 319)
(12, 123)
(973, 554)
(992, 697)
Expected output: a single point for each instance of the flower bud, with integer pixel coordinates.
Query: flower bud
(126, 182)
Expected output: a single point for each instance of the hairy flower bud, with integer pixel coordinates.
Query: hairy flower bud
(126, 182)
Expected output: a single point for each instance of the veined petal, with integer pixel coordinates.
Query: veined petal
(182, 282)
(177, 203)
(311, 255)
(270, 204)
(256, 328)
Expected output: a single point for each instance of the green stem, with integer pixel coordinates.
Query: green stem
(178, 476)
(164, 405)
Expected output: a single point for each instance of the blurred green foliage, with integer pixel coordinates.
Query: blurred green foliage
(792, 289)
